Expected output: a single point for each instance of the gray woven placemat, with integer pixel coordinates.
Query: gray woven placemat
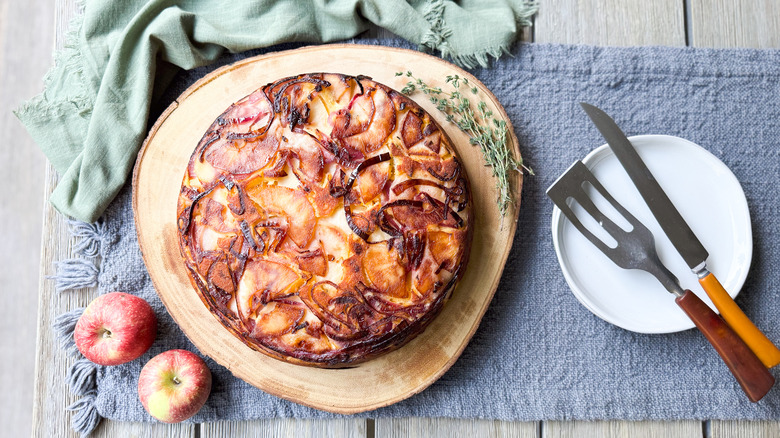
(539, 354)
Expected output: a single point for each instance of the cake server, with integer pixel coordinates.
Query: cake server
(636, 250)
(681, 236)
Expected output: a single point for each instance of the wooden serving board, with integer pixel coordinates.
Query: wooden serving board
(379, 382)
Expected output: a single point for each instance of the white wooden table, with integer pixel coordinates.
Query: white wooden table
(700, 23)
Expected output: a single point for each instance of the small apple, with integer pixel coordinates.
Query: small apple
(174, 385)
(115, 328)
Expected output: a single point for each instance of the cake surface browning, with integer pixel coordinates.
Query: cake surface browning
(324, 219)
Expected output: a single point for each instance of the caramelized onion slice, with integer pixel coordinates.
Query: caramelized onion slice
(344, 314)
(362, 232)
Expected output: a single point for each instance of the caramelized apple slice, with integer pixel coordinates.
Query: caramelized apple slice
(242, 156)
(441, 169)
(205, 238)
(353, 119)
(213, 214)
(406, 214)
(252, 114)
(382, 124)
(333, 241)
(384, 270)
(371, 182)
(411, 133)
(263, 282)
(291, 204)
(343, 313)
(443, 247)
(220, 276)
(291, 99)
(428, 146)
(283, 318)
(311, 161)
(425, 280)
(311, 259)
(342, 89)
(322, 200)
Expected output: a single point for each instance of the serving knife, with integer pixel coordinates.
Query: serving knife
(681, 236)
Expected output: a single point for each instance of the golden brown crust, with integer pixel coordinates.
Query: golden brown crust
(324, 219)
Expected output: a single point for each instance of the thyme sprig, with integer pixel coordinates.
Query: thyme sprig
(484, 130)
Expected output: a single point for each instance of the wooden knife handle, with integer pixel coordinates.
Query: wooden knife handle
(752, 375)
(737, 320)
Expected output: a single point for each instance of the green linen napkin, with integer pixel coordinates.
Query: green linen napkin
(91, 118)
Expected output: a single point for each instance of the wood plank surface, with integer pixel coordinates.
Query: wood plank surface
(454, 428)
(121, 429)
(286, 428)
(744, 429)
(735, 23)
(619, 429)
(23, 62)
(611, 22)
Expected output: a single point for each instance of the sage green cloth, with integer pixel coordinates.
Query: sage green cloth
(92, 117)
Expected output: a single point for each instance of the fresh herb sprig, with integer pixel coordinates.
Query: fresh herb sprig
(484, 130)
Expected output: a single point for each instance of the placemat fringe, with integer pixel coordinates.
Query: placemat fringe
(89, 236)
(71, 274)
(81, 272)
(86, 417)
(75, 273)
(64, 326)
(82, 377)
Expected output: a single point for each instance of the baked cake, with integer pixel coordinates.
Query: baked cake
(324, 219)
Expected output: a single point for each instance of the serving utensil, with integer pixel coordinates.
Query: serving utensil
(635, 249)
(681, 236)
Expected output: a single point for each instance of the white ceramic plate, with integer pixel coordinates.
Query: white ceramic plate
(710, 199)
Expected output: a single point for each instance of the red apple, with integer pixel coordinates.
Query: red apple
(174, 385)
(115, 328)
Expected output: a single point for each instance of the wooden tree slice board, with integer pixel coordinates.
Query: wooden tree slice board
(376, 383)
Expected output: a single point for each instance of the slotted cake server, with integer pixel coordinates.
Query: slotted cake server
(635, 249)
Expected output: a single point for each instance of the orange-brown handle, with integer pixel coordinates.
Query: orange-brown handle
(752, 375)
(737, 320)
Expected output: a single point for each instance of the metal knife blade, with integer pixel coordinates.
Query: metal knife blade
(667, 215)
